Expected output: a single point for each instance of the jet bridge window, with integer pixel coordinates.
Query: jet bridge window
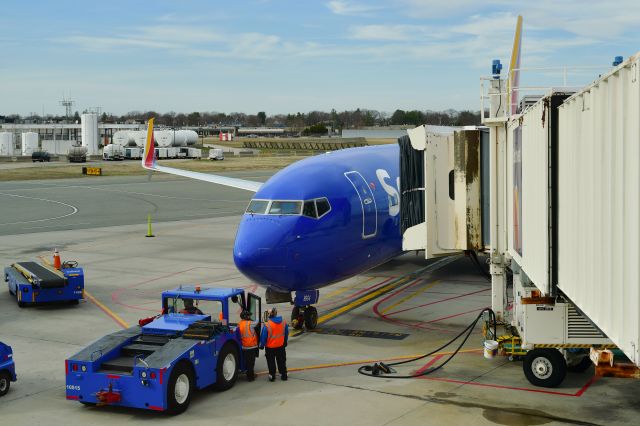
(286, 207)
(258, 206)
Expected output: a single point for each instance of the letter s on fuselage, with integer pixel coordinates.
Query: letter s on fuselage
(296, 252)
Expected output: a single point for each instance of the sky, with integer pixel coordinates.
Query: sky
(286, 56)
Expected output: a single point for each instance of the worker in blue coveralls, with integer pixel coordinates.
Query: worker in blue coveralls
(273, 338)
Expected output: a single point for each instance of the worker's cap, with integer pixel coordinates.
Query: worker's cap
(273, 312)
(245, 315)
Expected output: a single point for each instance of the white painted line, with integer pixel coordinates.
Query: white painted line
(73, 208)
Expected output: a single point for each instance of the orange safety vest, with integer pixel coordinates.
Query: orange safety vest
(275, 336)
(248, 335)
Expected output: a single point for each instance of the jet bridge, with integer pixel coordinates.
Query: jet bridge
(444, 189)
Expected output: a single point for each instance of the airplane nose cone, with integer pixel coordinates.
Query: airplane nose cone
(259, 252)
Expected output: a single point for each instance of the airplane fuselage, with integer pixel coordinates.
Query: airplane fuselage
(322, 220)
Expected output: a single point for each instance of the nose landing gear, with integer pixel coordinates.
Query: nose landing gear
(305, 316)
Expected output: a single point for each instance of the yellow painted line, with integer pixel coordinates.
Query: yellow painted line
(410, 296)
(361, 301)
(367, 361)
(343, 289)
(106, 310)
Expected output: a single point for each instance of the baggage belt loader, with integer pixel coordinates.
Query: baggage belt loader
(32, 282)
(158, 364)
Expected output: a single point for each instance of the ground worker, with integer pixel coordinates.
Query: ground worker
(247, 332)
(273, 338)
(189, 308)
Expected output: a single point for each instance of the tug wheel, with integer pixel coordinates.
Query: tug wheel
(180, 388)
(545, 367)
(297, 320)
(5, 383)
(227, 369)
(310, 317)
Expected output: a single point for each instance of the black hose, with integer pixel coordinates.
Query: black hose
(382, 369)
(474, 258)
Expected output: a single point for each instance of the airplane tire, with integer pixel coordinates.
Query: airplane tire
(5, 383)
(180, 388)
(296, 321)
(546, 368)
(227, 369)
(310, 317)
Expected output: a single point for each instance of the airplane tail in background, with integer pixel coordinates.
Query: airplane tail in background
(514, 68)
(149, 158)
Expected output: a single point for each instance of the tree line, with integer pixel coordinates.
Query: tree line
(336, 120)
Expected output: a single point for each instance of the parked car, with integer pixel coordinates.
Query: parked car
(40, 156)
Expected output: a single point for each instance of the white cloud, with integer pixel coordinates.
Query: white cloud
(345, 7)
(388, 32)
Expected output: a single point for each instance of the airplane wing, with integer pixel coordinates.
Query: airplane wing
(149, 163)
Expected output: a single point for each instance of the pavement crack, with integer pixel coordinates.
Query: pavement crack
(442, 401)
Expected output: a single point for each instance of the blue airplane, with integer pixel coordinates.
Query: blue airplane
(318, 221)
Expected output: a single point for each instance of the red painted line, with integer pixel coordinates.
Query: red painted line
(488, 385)
(586, 386)
(451, 316)
(427, 365)
(73, 397)
(439, 301)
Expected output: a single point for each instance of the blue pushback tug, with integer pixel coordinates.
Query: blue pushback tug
(158, 364)
(32, 282)
(7, 368)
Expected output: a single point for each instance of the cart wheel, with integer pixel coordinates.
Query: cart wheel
(296, 321)
(180, 388)
(545, 367)
(227, 370)
(5, 383)
(310, 317)
(581, 366)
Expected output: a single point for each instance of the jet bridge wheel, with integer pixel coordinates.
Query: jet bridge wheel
(545, 367)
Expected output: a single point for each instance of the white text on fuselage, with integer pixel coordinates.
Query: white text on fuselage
(393, 193)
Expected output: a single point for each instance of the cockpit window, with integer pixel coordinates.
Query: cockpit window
(323, 206)
(309, 209)
(258, 206)
(285, 207)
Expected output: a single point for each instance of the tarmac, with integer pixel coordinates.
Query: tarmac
(385, 314)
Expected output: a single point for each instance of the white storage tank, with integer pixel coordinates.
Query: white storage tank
(191, 137)
(122, 138)
(7, 144)
(90, 135)
(59, 146)
(599, 204)
(164, 138)
(139, 137)
(29, 143)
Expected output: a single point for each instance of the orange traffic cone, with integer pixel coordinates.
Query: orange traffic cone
(56, 259)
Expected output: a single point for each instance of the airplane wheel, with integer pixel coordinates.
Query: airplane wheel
(5, 383)
(297, 320)
(310, 317)
(227, 370)
(545, 367)
(180, 388)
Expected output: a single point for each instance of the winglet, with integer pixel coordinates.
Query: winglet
(514, 68)
(149, 159)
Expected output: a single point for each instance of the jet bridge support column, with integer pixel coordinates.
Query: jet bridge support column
(497, 159)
